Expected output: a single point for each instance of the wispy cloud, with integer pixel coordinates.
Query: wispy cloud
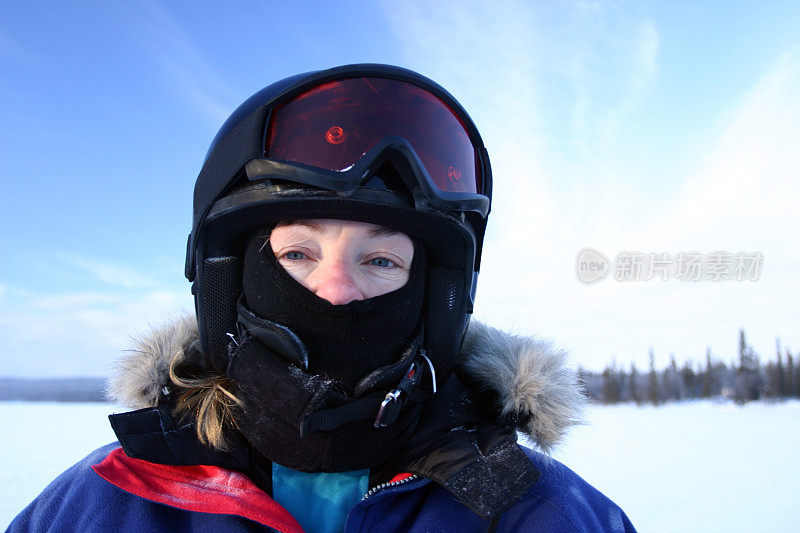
(111, 273)
(192, 76)
(740, 197)
(749, 180)
(645, 54)
(57, 329)
(600, 60)
(77, 333)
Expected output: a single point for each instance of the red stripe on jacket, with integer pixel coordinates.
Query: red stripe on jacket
(199, 488)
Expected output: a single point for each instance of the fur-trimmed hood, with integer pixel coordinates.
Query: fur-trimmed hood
(529, 377)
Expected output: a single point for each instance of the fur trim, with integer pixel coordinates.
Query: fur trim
(530, 378)
(144, 370)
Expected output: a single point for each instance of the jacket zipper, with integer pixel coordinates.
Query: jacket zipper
(374, 490)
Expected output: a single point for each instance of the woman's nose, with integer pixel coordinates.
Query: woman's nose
(333, 281)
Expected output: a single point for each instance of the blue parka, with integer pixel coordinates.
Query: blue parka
(108, 491)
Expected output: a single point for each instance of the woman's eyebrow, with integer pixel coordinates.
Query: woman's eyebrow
(305, 223)
(381, 231)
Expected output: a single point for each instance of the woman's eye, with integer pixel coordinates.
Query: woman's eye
(294, 256)
(382, 262)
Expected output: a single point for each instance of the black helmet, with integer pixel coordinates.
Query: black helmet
(371, 143)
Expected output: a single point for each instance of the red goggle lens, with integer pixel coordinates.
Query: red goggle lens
(333, 125)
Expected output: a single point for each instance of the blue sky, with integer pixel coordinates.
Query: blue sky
(621, 126)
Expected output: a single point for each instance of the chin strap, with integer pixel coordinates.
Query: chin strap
(385, 408)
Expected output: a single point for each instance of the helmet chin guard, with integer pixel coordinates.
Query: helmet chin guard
(240, 189)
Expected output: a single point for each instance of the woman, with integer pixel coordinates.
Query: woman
(329, 380)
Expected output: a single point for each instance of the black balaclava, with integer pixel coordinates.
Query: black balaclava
(344, 342)
(355, 353)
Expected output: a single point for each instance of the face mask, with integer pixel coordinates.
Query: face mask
(344, 342)
(301, 358)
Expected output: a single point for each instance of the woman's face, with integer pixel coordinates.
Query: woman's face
(341, 261)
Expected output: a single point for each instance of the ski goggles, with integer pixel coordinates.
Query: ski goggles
(340, 126)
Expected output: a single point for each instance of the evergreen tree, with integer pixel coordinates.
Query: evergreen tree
(748, 382)
(780, 371)
(611, 386)
(707, 375)
(653, 392)
(689, 378)
(633, 383)
(672, 381)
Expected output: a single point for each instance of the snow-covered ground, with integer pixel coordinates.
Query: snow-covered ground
(691, 467)
(699, 466)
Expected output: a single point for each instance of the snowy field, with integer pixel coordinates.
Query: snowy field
(691, 467)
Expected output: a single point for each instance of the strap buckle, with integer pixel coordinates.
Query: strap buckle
(390, 408)
(393, 403)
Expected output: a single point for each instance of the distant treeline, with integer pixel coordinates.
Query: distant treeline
(53, 390)
(744, 380)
